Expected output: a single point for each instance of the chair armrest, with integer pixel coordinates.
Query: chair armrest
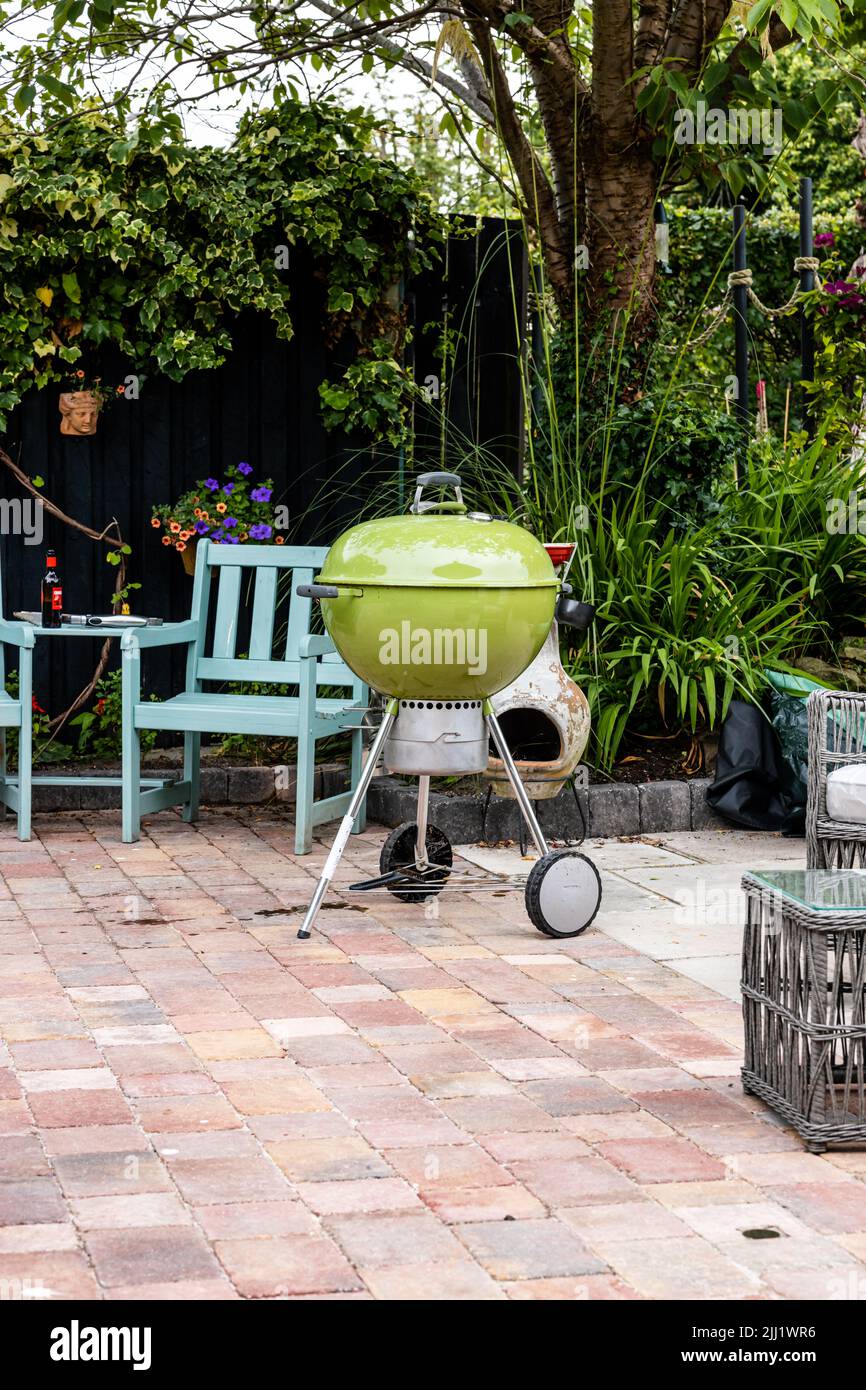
(169, 635)
(314, 644)
(17, 634)
(837, 726)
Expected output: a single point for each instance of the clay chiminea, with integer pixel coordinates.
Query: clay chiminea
(543, 714)
(79, 411)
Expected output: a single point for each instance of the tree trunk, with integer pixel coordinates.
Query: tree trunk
(620, 200)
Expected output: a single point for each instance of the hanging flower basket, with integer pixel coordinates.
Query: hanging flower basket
(234, 511)
(81, 403)
(188, 557)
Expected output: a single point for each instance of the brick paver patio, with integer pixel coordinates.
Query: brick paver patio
(194, 1104)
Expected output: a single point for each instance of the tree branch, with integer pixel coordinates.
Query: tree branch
(480, 104)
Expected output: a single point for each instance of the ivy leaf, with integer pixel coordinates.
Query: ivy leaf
(45, 295)
(340, 300)
(71, 287)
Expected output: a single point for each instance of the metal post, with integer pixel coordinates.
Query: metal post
(741, 330)
(346, 824)
(807, 282)
(421, 823)
(514, 778)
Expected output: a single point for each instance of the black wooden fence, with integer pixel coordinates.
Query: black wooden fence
(262, 406)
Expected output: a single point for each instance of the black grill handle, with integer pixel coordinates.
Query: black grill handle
(317, 591)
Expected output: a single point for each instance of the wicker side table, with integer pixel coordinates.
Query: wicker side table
(804, 1000)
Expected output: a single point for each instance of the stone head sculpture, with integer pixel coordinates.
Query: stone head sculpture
(79, 411)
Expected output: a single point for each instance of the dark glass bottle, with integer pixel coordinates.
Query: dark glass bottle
(52, 593)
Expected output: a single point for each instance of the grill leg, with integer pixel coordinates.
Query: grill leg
(421, 823)
(514, 778)
(336, 851)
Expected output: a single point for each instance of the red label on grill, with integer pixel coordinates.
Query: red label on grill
(56, 600)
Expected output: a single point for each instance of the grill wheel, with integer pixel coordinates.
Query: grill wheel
(398, 852)
(563, 893)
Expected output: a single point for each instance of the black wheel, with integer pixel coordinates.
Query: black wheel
(398, 852)
(563, 893)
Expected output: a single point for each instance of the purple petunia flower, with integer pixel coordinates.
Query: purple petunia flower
(261, 494)
(825, 239)
(245, 468)
(201, 527)
(261, 531)
(211, 484)
(229, 489)
(230, 521)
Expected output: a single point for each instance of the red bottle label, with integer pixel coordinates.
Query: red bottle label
(56, 599)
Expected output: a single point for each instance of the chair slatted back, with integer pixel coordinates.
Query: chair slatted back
(255, 579)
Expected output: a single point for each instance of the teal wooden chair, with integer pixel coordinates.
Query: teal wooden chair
(17, 713)
(307, 663)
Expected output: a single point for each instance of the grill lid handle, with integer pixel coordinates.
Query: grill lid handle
(437, 480)
(317, 591)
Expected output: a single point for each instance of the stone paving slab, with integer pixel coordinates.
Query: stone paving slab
(426, 1103)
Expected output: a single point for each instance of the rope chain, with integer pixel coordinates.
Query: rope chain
(743, 279)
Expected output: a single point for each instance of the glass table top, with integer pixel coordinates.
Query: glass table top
(820, 890)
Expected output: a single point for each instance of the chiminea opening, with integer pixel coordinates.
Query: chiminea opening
(531, 736)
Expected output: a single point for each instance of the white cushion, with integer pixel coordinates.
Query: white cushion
(846, 794)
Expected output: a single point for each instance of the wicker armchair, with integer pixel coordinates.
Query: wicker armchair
(837, 736)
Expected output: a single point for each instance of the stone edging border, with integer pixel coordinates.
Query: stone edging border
(610, 809)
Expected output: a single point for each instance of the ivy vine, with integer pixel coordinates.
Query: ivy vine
(132, 237)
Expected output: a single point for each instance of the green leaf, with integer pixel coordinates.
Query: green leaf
(71, 287)
(759, 15)
(24, 99)
(58, 89)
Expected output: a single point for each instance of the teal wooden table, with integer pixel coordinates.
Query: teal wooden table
(9, 791)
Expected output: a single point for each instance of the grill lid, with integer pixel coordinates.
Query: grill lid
(433, 551)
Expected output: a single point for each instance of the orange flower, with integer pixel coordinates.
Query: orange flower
(155, 522)
(221, 507)
(196, 511)
(279, 540)
(174, 526)
(179, 545)
(166, 540)
(244, 536)
(185, 535)
(80, 375)
(120, 390)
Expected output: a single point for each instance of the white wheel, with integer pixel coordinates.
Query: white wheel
(563, 893)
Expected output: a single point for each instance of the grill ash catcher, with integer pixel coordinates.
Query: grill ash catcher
(440, 610)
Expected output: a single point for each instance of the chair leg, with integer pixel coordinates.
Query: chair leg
(3, 743)
(130, 749)
(304, 795)
(192, 774)
(355, 770)
(25, 749)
